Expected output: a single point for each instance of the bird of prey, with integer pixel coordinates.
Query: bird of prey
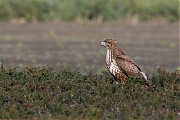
(120, 66)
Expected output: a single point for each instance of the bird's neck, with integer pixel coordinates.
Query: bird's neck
(112, 53)
(109, 56)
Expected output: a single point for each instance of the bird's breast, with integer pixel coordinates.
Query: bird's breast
(111, 63)
(113, 68)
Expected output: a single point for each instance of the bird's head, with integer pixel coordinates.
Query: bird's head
(112, 45)
(109, 43)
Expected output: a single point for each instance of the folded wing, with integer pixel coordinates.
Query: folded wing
(129, 68)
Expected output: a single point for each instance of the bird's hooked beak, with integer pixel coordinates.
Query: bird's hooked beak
(103, 44)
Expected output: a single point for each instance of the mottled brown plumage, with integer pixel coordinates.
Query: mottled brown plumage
(120, 66)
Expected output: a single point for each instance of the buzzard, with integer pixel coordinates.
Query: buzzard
(120, 66)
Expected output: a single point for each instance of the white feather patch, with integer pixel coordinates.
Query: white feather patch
(108, 57)
(144, 75)
(112, 65)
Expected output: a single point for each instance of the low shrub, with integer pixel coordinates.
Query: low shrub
(42, 92)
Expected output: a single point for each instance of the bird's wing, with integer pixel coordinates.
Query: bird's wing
(126, 65)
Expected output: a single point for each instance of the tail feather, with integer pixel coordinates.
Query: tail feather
(144, 76)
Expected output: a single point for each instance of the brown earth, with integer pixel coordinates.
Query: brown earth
(149, 44)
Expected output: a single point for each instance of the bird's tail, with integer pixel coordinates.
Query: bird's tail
(150, 86)
(144, 76)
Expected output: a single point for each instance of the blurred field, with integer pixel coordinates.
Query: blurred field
(100, 10)
(149, 44)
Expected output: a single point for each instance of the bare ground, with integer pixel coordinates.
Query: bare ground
(149, 44)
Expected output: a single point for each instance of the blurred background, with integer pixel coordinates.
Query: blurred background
(68, 33)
